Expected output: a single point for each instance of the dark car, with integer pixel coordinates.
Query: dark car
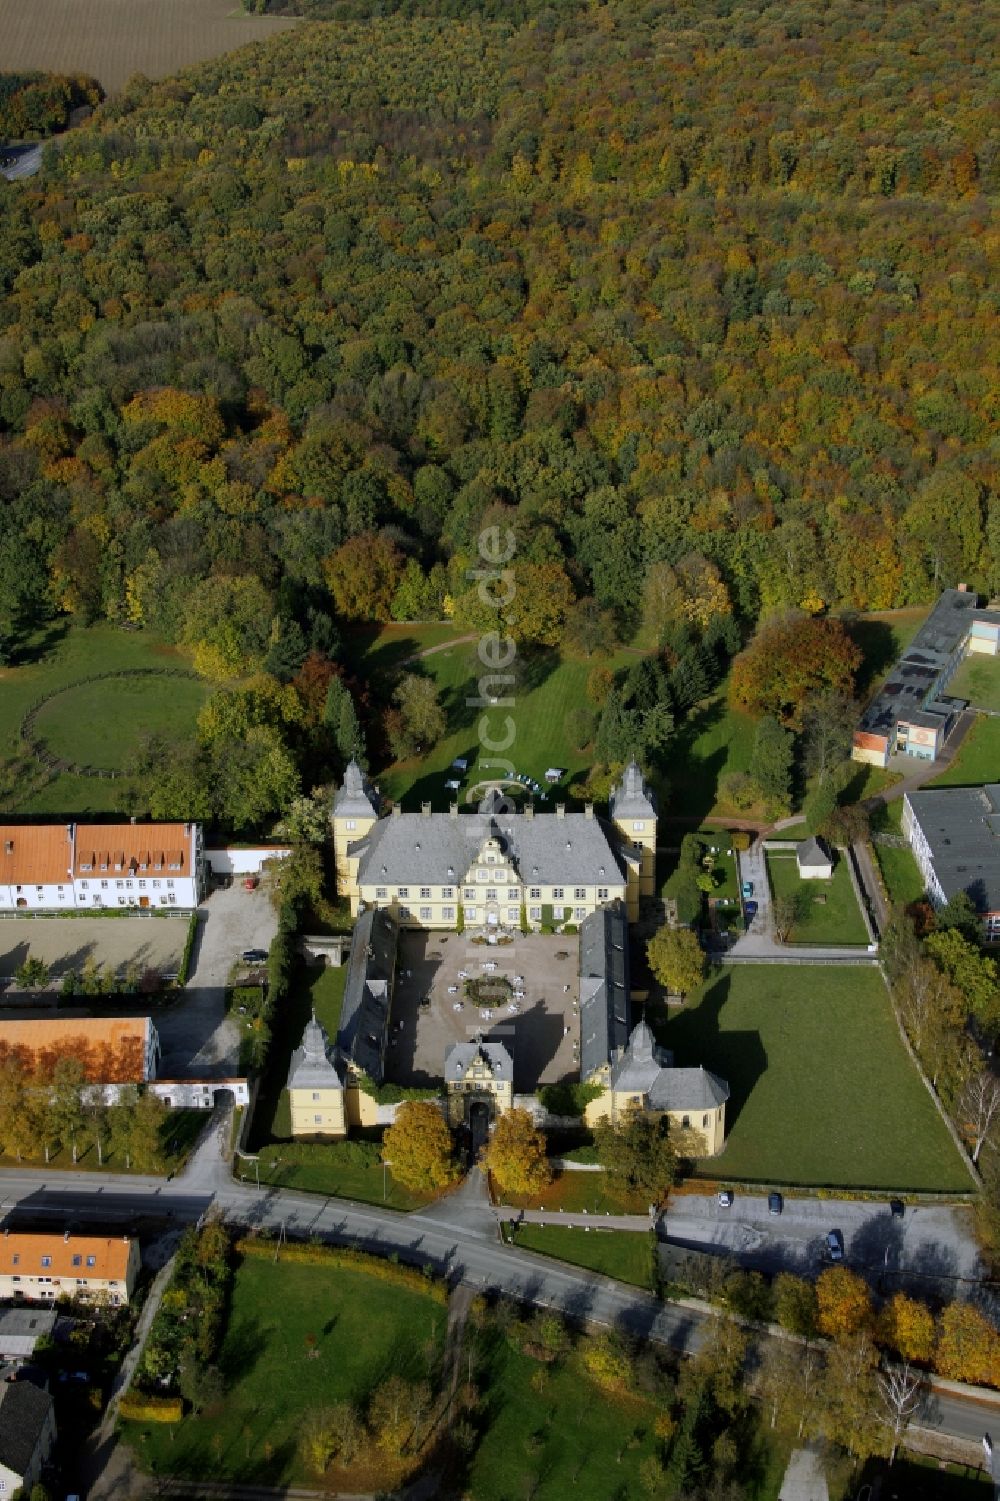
(254, 956)
(897, 1208)
(775, 1203)
(835, 1245)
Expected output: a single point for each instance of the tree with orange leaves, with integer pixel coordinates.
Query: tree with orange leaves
(789, 661)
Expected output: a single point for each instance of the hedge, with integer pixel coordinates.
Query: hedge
(185, 964)
(395, 1094)
(306, 1253)
(140, 1407)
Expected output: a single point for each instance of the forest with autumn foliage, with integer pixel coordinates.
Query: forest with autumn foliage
(692, 297)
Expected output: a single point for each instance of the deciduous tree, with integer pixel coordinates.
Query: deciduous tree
(677, 959)
(843, 1302)
(516, 1154)
(789, 662)
(418, 1146)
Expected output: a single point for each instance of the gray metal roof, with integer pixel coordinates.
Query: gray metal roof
(311, 1066)
(812, 853)
(460, 1057)
(910, 691)
(437, 849)
(962, 829)
(24, 1409)
(631, 798)
(364, 1016)
(605, 1008)
(357, 796)
(26, 1322)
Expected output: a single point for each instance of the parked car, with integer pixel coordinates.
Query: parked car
(897, 1208)
(725, 1198)
(747, 889)
(835, 1245)
(251, 883)
(775, 1203)
(254, 956)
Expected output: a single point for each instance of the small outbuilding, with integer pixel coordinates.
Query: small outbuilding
(814, 861)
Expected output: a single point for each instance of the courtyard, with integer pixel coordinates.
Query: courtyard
(67, 943)
(430, 1011)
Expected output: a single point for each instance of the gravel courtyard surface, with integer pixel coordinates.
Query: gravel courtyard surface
(541, 1037)
(66, 943)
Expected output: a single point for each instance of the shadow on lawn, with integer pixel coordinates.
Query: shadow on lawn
(694, 779)
(695, 1037)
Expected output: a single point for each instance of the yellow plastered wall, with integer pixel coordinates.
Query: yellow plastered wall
(346, 865)
(361, 1109)
(713, 1135)
(329, 1107)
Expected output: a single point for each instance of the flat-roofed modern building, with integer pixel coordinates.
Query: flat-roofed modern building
(42, 1267)
(912, 714)
(954, 833)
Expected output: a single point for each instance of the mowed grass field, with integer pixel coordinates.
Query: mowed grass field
(821, 1089)
(112, 41)
(102, 724)
(91, 723)
(978, 758)
(830, 912)
(364, 1331)
(978, 680)
(547, 689)
(624, 1254)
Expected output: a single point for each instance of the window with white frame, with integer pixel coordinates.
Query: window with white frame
(404, 911)
(425, 892)
(535, 893)
(381, 893)
(639, 826)
(557, 893)
(448, 914)
(425, 914)
(535, 913)
(579, 893)
(404, 891)
(447, 891)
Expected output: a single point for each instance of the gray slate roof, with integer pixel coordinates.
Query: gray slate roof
(357, 796)
(648, 1070)
(687, 1089)
(437, 849)
(459, 1058)
(605, 1010)
(24, 1409)
(811, 853)
(364, 1016)
(631, 798)
(962, 828)
(311, 1066)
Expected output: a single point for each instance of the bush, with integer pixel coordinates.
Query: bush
(185, 964)
(310, 1254)
(568, 1098)
(139, 1407)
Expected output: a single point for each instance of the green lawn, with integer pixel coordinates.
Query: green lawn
(331, 1168)
(900, 871)
(58, 658)
(316, 988)
(577, 1191)
(74, 725)
(712, 741)
(625, 1254)
(978, 680)
(546, 691)
(833, 921)
(978, 758)
(821, 1089)
(365, 1330)
(883, 636)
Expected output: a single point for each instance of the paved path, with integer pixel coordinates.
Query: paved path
(581, 1221)
(871, 881)
(759, 943)
(804, 1479)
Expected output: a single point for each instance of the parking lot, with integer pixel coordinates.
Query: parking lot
(67, 943)
(542, 1036)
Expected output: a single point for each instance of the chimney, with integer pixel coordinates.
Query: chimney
(588, 809)
(560, 810)
(65, 1236)
(134, 820)
(529, 810)
(396, 810)
(425, 810)
(453, 810)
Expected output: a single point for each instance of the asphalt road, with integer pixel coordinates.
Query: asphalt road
(472, 1255)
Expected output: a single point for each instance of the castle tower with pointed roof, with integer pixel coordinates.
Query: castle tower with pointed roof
(633, 814)
(354, 814)
(315, 1087)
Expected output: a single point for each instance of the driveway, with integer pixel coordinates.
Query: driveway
(931, 1244)
(759, 941)
(197, 1038)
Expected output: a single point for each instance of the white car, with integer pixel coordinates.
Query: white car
(453, 990)
(458, 1006)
